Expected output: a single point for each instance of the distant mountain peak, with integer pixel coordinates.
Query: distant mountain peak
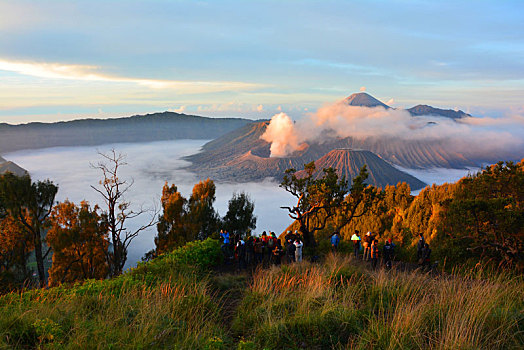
(429, 110)
(363, 99)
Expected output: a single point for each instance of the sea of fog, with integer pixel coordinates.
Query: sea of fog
(149, 166)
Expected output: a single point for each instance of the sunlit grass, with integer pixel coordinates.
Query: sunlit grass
(342, 305)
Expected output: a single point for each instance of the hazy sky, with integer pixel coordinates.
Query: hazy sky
(69, 59)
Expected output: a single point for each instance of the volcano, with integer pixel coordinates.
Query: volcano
(362, 99)
(243, 156)
(348, 162)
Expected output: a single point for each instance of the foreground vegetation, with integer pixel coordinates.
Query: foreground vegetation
(177, 301)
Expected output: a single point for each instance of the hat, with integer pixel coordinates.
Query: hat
(296, 231)
(289, 231)
(369, 233)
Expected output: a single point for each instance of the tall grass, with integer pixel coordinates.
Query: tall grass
(175, 302)
(160, 304)
(339, 305)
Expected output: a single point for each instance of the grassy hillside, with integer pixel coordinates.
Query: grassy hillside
(175, 301)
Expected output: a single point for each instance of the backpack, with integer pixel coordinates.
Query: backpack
(271, 243)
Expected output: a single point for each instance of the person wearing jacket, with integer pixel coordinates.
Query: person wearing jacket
(374, 253)
(356, 243)
(298, 250)
(335, 240)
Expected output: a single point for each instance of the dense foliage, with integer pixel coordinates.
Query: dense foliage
(478, 219)
(28, 204)
(78, 237)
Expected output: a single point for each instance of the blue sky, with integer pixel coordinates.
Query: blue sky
(62, 60)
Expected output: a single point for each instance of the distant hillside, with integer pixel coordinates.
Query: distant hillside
(6, 166)
(420, 110)
(348, 162)
(139, 128)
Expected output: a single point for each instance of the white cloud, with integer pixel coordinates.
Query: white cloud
(181, 109)
(93, 73)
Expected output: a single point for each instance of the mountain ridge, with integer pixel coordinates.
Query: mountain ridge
(138, 128)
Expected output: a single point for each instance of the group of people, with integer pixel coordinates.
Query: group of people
(369, 243)
(265, 250)
(268, 250)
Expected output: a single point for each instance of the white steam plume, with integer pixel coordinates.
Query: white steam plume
(474, 137)
(282, 135)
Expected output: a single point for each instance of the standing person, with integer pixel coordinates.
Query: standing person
(392, 245)
(225, 244)
(374, 253)
(356, 243)
(270, 244)
(298, 249)
(250, 251)
(426, 256)
(388, 254)
(335, 240)
(420, 248)
(367, 246)
(288, 237)
(258, 251)
(277, 253)
(241, 254)
(290, 251)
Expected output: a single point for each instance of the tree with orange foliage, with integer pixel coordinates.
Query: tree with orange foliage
(172, 225)
(29, 203)
(185, 220)
(78, 236)
(202, 216)
(15, 246)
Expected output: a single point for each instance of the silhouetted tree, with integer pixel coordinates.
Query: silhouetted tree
(239, 218)
(29, 204)
(78, 238)
(112, 189)
(328, 199)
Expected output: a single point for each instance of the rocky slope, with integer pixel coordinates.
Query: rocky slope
(348, 163)
(7, 166)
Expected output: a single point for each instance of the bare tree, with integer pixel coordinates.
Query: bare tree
(112, 189)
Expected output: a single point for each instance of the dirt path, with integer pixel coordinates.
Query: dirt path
(229, 286)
